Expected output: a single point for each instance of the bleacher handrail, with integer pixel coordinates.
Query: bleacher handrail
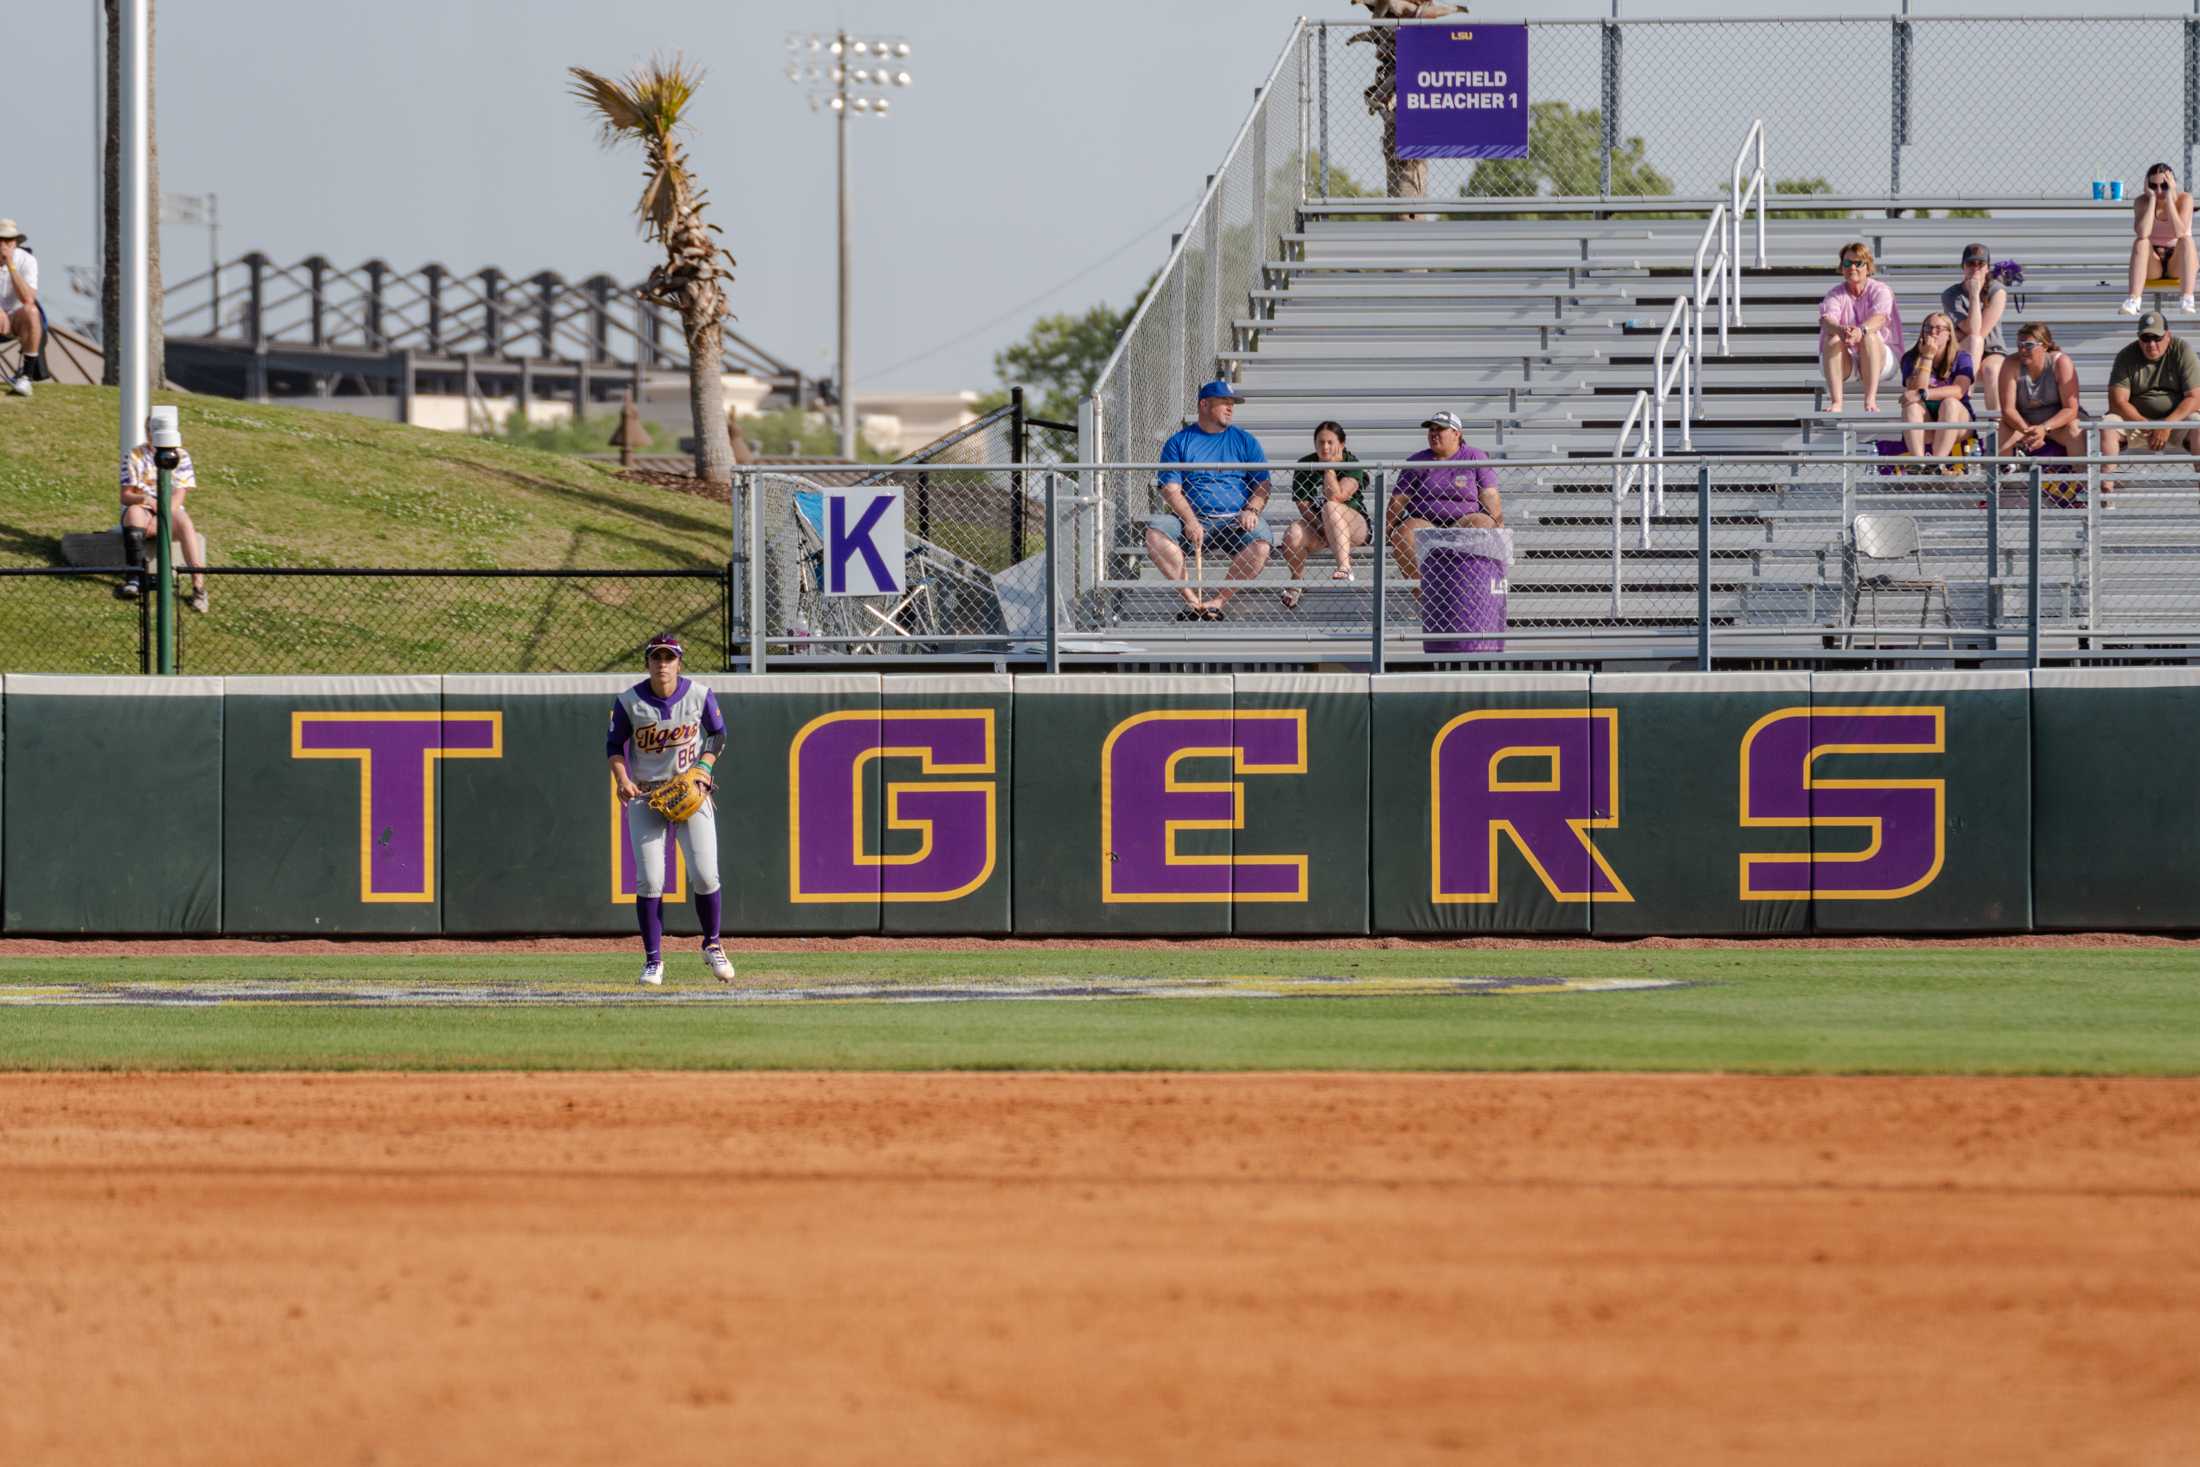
(1714, 229)
(1739, 198)
(1664, 379)
(1626, 476)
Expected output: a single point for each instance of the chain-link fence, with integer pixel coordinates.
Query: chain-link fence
(1885, 106)
(368, 621)
(1797, 558)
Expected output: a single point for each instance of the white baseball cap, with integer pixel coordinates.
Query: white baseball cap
(1444, 420)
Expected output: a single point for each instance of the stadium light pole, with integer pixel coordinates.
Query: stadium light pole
(846, 74)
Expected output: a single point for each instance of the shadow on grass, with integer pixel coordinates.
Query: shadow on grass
(661, 517)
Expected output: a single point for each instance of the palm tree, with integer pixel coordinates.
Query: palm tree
(648, 107)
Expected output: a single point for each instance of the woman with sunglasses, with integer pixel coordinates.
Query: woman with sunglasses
(2161, 217)
(2039, 397)
(1936, 386)
(1859, 329)
(660, 727)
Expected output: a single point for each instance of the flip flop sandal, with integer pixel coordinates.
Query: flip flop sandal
(1291, 598)
(1192, 613)
(1212, 613)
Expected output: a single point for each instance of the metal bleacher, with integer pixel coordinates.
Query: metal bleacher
(1540, 331)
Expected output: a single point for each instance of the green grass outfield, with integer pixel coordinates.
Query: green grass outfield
(2127, 1011)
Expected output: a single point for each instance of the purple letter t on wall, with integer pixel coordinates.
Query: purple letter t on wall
(396, 753)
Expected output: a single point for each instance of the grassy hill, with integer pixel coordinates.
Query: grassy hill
(285, 486)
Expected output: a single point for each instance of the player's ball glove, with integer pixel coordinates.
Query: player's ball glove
(681, 796)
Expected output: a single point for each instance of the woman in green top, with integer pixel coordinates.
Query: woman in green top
(1332, 514)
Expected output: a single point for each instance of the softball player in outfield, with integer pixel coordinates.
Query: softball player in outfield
(668, 723)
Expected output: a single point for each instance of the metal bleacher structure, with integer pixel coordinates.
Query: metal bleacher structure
(1561, 329)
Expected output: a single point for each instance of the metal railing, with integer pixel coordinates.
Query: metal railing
(1738, 200)
(1762, 561)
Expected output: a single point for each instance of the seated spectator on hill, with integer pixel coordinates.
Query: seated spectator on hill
(1211, 509)
(1461, 494)
(2161, 217)
(1859, 329)
(141, 520)
(1976, 304)
(2039, 396)
(1332, 513)
(2155, 379)
(19, 314)
(1936, 387)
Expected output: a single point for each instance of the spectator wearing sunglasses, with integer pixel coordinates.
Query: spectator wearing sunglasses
(2161, 217)
(1936, 387)
(1859, 329)
(2155, 381)
(2039, 396)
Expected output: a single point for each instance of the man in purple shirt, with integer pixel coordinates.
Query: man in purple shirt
(1459, 495)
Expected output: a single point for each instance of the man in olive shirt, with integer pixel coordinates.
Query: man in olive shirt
(2156, 380)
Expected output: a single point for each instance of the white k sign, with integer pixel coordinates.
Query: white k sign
(865, 542)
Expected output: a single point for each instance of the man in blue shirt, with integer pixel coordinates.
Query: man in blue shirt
(1211, 509)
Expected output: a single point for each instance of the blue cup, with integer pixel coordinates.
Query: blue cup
(2116, 188)
(2100, 188)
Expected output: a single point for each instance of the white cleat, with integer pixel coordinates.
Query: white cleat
(653, 974)
(21, 386)
(721, 966)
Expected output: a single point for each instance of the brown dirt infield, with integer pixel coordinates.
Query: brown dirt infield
(965, 1268)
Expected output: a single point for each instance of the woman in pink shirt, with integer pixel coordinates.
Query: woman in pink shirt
(1859, 329)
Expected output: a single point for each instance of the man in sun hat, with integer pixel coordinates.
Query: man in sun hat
(1459, 494)
(19, 315)
(1211, 510)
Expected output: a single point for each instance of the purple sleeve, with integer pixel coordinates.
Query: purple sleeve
(714, 722)
(614, 743)
(1485, 477)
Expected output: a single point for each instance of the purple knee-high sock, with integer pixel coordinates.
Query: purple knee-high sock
(649, 913)
(706, 911)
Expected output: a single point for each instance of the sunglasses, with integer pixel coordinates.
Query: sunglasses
(1854, 265)
(2144, 337)
(2161, 188)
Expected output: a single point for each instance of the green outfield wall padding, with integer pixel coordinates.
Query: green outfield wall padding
(1104, 844)
(147, 861)
(1677, 841)
(1482, 815)
(1301, 856)
(2116, 799)
(1920, 801)
(534, 842)
(942, 821)
(332, 802)
(797, 799)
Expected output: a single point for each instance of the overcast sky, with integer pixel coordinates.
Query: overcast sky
(1041, 141)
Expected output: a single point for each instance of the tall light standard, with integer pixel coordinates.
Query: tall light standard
(846, 75)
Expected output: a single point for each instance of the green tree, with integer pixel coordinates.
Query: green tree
(649, 107)
(1058, 361)
(793, 433)
(579, 435)
(1805, 187)
(1566, 157)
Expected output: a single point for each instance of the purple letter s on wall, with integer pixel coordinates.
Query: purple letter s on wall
(1906, 819)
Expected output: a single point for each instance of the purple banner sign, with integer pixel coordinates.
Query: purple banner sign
(397, 754)
(1902, 822)
(833, 851)
(1530, 776)
(1146, 800)
(1463, 91)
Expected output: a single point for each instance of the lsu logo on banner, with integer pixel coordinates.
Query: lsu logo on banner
(396, 753)
(1904, 821)
(831, 855)
(1147, 801)
(1531, 776)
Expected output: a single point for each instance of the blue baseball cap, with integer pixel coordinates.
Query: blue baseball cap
(1220, 388)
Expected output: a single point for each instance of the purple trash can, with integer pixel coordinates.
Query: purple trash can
(1463, 575)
